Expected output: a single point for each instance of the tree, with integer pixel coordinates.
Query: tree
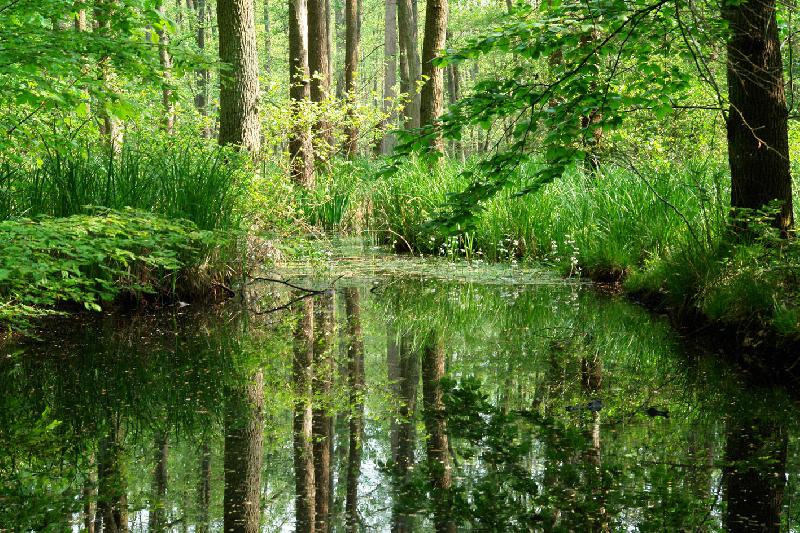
(390, 72)
(300, 150)
(318, 59)
(352, 39)
(239, 91)
(432, 94)
(758, 138)
(409, 60)
(166, 66)
(203, 75)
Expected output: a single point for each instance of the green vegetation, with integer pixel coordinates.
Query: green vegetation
(93, 259)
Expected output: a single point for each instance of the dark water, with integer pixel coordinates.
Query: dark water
(393, 403)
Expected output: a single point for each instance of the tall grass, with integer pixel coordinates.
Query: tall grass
(605, 224)
(176, 180)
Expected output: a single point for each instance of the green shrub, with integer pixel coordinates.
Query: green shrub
(90, 259)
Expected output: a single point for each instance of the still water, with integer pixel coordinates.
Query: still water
(464, 398)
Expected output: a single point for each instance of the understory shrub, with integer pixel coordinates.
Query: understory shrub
(91, 259)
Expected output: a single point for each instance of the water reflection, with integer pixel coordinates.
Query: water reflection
(415, 406)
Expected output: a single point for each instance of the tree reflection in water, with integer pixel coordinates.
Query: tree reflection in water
(447, 406)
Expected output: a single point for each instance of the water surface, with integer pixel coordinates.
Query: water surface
(410, 396)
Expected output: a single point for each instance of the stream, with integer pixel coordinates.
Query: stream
(401, 395)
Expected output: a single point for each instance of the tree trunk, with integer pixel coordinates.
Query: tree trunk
(355, 370)
(454, 94)
(244, 450)
(432, 95)
(758, 142)
(350, 71)
(437, 446)
(300, 150)
(267, 38)
(238, 87)
(201, 98)
(390, 75)
(409, 60)
(318, 57)
(166, 72)
(322, 424)
(110, 126)
(302, 369)
(204, 486)
(158, 520)
(402, 521)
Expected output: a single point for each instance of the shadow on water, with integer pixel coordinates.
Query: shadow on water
(402, 405)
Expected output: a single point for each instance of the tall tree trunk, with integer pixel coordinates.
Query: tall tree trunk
(158, 520)
(402, 521)
(238, 87)
(204, 486)
(203, 75)
(300, 150)
(110, 126)
(165, 59)
(112, 491)
(754, 475)
(432, 94)
(302, 424)
(322, 424)
(409, 60)
(437, 446)
(318, 57)
(390, 74)
(350, 71)
(355, 370)
(454, 94)
(758, 141)
(244, 450)
(267, 38)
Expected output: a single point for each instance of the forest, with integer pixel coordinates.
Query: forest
(399, 265)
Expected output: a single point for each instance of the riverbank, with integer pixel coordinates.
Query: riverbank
(661, 231)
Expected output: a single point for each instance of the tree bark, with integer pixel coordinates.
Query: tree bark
(165, 59)
(352, 39)
(355, 367)
(390, 75)
(238, 87)
(758, 141)
(437, 446)
(244, 450)
(300, 150)
(432, 94)
(322, 423)
(110, 126)
(409, 60)
(267, 38)
(203, 75)
(302, 424)
(318, 57)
